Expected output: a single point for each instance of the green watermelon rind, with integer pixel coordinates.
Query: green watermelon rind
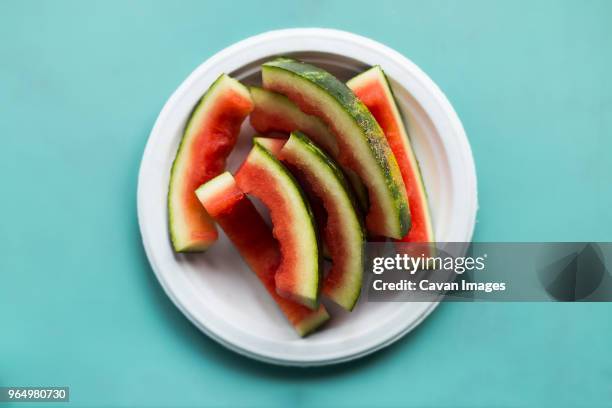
(373, 144)
(313, 323)
(214, 190)
(273, 102)
(199, 107)
(311, 294)
(173, 226)
(328, 172)
(402, 120)
(399, 116)
(268, 100)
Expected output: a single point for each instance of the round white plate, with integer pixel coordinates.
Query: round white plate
(216, 290)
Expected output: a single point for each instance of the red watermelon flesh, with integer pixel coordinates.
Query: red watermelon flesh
(264, 177)
(335, 210)
(275, 113)
(247, 230)
(208, 138)
(274, 146)
(373, 89)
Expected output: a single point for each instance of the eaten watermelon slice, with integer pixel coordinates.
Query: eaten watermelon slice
(275, 112)
(262, 175)
(361, 143)
(247, 230)
(372, 87)
(342, 231)
(208, 138)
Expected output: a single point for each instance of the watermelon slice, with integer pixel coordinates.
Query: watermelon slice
(243, 225)
(263, 176)
(208, 138)
(361, 142)
(275, 112)
(372, 87)
(343, 231)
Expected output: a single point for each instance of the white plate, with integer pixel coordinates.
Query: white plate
(215, 290)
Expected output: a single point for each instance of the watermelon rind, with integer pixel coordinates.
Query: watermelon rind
(252, 237)
(268, 103)
(298, 281)
(271, 105)
(190, 227)
(360, 139)
(377, 75)
(326, 180)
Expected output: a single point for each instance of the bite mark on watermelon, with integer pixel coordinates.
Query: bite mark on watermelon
(299, 275)
(253, 239)
(361, 142)
(275, 112)
(209, 137)
(335, 210)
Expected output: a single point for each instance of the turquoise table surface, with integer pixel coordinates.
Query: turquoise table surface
(81, 84)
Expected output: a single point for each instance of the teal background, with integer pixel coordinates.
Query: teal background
(80, 87)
